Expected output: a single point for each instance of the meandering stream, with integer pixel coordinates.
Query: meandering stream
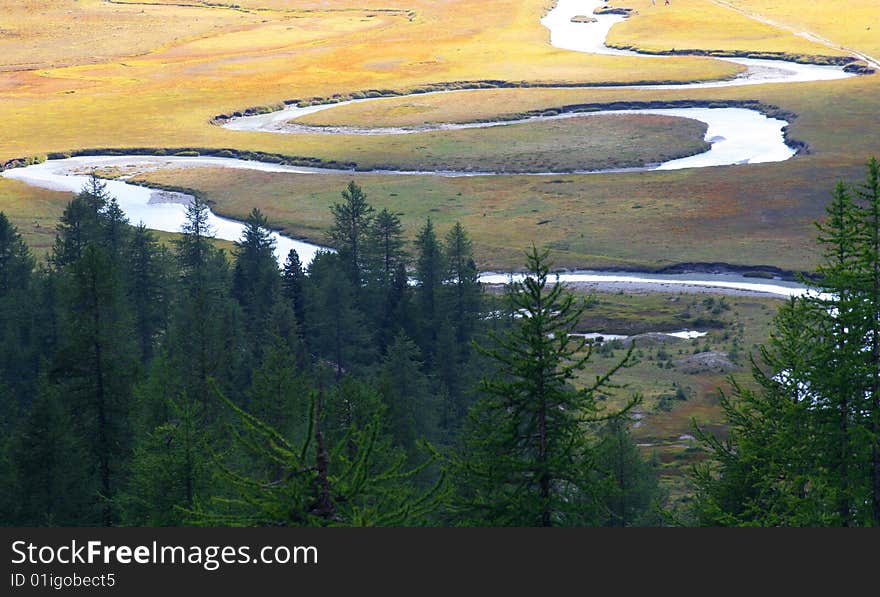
(736, 136)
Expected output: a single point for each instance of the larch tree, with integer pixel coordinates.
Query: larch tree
(528, 459)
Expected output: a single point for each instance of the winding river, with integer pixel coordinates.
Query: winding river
(735, 135)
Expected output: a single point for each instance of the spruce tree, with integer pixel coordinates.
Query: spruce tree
(255, 279)
(337, 329)
(463, 279)
(630, 493)
(81, 223)
(169, 469)
(386, 255)
(205, 326)
(869, 261)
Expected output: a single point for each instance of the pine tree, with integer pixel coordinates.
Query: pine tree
(205, 324)
(386, 248)
(838, 343)
(869, 241)
(413, 412)
(96, 366)
(16, 261)
(631, 494)
(803, 447)
(385, 256)
(17, 322)
(317, 483)
(349, 233)
(115, 228)
(429, 274)
(53, 484)
(9, 421)
(147, 268)
(81, 223)
(463, 278)
(293, 287)
(194, 246)
(528, 460)
(255, 280)
(337, 329)
(169, 469)
(277, 390)
(462, 295)
(768, 470)
(256, 283)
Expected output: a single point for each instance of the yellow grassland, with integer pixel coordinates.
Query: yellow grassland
(848, 24)
(704, 24)
(166, 97)
(270, 51)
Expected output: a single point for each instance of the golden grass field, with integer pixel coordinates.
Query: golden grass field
(849, 25)
(120, 74)
(165, 97)
(707, 25)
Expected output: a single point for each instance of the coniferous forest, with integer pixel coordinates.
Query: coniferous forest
(167, 385)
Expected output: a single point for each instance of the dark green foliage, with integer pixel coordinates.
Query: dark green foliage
(528, 460)
(52, 483)
(386, 259)
(205, 323)
(429, 274)
(170, 468)
(413, 412)
(277, 393)
(18, 336)
(194, 387)
(255, 281)
(83, 223)
(349, 234)
(463, 294)
(804, 446)
(95, 366)
(336, 328)
(148, 269)
(16, 262)
(293, 286)
(313, 483)
(630, 493)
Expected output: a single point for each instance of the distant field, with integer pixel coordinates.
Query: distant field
(643, 220)
(39, 34)
(584, 143)
(165, 97)
(705, 25)
(849, 24)
(33, 211)
(675, 395)
(758, 214)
